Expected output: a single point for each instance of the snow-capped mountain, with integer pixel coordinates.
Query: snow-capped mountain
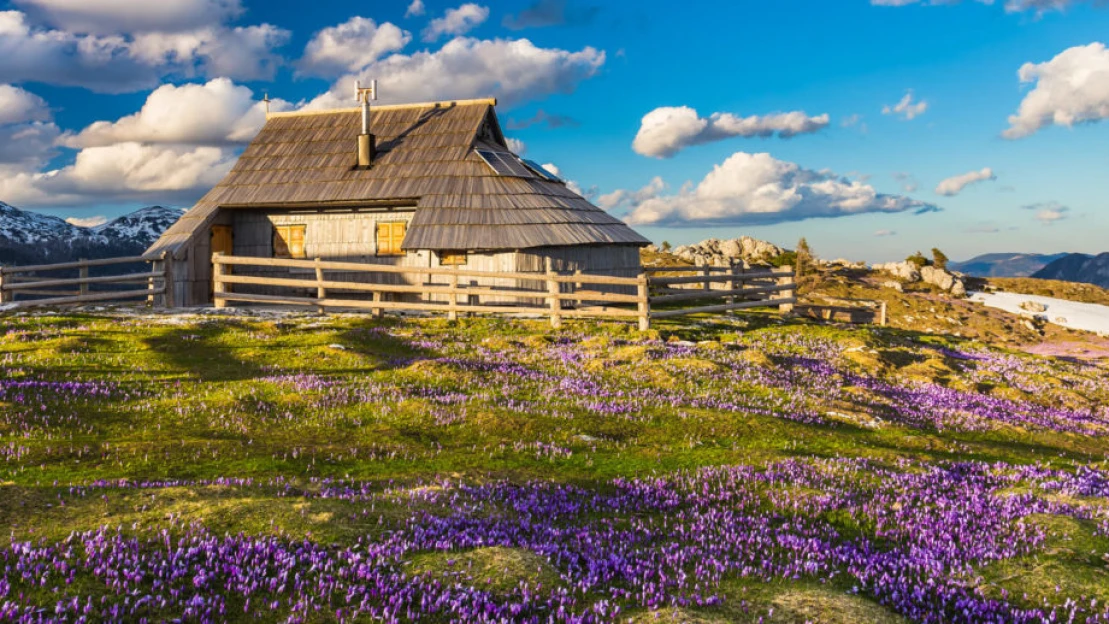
(31, 238)
(29, 228)
(141, 227)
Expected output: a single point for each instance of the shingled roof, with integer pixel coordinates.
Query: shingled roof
(425, 157)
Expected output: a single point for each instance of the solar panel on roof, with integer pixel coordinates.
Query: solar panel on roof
(505, 164)
(541, 171)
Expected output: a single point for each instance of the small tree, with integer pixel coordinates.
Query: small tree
(939, 258)
(666, 246)
(804, 258)
(918, 260)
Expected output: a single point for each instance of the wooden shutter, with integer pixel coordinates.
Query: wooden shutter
(452, 258)
(390, 237)
(289, 241)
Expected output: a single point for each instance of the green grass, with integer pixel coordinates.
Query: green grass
(201, 398)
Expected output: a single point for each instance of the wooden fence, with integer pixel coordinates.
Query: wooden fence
(17, 283)
(560, 295)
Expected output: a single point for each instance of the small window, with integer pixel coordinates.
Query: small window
(288, 241)
(452, 258)
(390, 237)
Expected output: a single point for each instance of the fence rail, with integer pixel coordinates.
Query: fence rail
(542, 294)
(19, 281)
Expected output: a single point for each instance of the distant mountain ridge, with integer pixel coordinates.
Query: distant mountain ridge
(1078, 268)
(1005, 264)
(31, 238)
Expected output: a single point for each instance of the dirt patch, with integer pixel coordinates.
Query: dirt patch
(829, 607)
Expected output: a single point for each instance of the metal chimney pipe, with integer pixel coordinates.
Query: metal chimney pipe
(366, 143)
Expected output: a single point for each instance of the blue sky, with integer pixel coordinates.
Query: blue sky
(83, 70)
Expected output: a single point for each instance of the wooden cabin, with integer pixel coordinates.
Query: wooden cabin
(440, 188)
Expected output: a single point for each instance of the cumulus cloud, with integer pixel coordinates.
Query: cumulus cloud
(18, 106)
(517, 146)
(1072, 88)
(123, 172)
(27, 134)
(544, 13)
(1048, 213)
(954, 185)
(456, 21)
(103, 64)
(666, 131)
(216, 114)
(241, 53)
(108, 17)
(87, 222)
(757, 189)
(133, 61)
(350, 46)
(513, 70)
(907, 109)
(415, 9)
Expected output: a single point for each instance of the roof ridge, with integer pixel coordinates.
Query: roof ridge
(356, 109)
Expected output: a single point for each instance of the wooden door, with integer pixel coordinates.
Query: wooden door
(223, 241)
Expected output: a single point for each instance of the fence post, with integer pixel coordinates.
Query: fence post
(733, 284)
(377, 312)
(5, 295)
(787, 279)
(168, 286)
(321, 292)
(553, 291)
(577, 287)
(83, 273)
(883, 312)
(218, 287)
(452, 298)
(643, 293)
(706, 273)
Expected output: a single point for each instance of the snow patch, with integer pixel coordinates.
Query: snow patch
(1090, 317)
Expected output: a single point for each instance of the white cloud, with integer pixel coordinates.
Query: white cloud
(1011, 6)
(517, 146)
(625, 198)
(57, 57)
(217, 113)
(18, 106)
(456, 21)
(87, 222)
(107, 17)
(123, 172)
(27, 134)
(122, 63)
(570, 184)
(1048, 213)
(415, 9)
(241, 53)
(1072, 88)
(884, 233)
(954, 185)
(513, 70)
(757, 189)
(350, 46)
(666, 131)
(906, 108)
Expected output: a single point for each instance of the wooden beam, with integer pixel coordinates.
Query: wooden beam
(75, 265)
(722, 308)
(132, 278)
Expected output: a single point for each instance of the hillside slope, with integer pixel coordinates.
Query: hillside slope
(1005, 264)
(1078, 268)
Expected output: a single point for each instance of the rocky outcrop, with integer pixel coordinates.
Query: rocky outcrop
(909, 273)
(716, 252)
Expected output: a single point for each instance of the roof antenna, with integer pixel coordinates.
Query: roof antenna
(365, 140)
(266, 99)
